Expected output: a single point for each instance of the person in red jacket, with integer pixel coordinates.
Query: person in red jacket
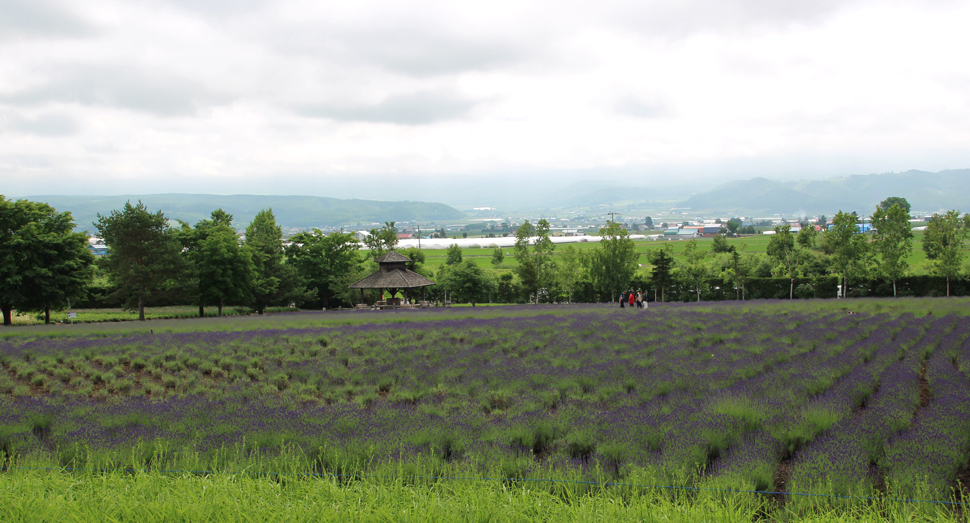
(632, 299)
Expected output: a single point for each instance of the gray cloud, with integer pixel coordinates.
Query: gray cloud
(126, 88)
(412, 50)
(36, 18)
(409, 109)
(424, 54)
(44, 125)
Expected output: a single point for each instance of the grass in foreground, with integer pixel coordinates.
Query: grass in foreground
(53, 495)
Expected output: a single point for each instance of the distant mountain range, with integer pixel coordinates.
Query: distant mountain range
(925, 191)
(290, 211)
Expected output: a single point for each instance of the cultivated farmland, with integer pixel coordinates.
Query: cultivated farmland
(803, 398)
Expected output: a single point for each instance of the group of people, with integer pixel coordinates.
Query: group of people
(634, 299)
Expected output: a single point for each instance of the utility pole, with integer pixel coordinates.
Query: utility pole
(612, 216)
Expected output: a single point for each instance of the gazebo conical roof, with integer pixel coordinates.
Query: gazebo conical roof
(393, 274)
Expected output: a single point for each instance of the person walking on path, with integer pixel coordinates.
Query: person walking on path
(639, 299)
(632, 299)
(622, 299)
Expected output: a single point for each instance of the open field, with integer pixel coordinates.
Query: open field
(151, 313)
(709, 398)
(748, 244)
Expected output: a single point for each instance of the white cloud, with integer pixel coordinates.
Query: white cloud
(186, 96)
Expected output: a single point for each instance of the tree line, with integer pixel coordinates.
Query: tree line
(859, 262)
(45, 265)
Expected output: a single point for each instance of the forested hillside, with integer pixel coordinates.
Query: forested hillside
(291, 211)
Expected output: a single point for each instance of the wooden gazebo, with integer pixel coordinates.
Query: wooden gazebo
(393, 276)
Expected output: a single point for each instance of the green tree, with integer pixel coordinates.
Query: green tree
(648, 222)
(416, 256)
(733, 225)
(720, 245)
(781, 248)
(533, 248)
(663, 263)
(806, 237)
(381, 241)
(467, 282)
(322, 260)
(43, 263)
(275, 282)
(226, 269)
(896, 200)
(943, 243)
(739, 273)
(892, 240)
(508, 290)
(848, 248)
(144, 254)
(498, 257)
(695, 272)
(221, 269)
(570, 271)
(453, 255)
(614, 263)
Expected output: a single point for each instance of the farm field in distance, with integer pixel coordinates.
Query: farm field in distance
(747, 244)
(501, 413)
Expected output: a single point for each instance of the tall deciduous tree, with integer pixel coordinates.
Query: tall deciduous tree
(661, 275)
(848, 247)
(468, 282)
(720, 244)
(570, 271)
(143, 258)
(781, 247)
(275, 282)
(323, 260)
(43, 262)
(892, 240)
(895, 200)
(806, 237)
(695, 272)
(943, 243)
(498, 256)
(416, 256)
(615, 262)
(226, 271)
(222, 269)
(532, 250)
(453, 255)
(383, 240)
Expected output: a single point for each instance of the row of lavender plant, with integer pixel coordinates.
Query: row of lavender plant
(924, 460)
(674, 391)
(754, 463)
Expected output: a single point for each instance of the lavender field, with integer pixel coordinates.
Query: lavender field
(811, 401)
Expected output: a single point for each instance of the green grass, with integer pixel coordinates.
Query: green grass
(748, 244)
(151, 313)
(31, 494)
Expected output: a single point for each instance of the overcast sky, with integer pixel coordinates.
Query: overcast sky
(328, 98)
